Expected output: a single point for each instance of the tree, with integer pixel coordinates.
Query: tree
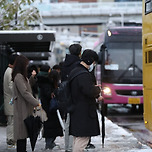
(18, 14)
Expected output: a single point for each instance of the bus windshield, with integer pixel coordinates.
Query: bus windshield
(119, 56)
(120, 65)
(123, 62)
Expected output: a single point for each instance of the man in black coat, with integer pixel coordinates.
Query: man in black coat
(71, 61)
(83, 119)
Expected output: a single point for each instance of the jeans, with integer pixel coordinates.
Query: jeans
(68, 138)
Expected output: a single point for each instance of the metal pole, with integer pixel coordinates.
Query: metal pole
(103, 122)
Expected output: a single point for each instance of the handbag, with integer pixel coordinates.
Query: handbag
(39, 111)
(54, 104)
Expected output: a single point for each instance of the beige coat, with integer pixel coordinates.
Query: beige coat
(7, 87)
(24, 102)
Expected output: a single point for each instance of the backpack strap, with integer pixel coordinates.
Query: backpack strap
(76, 74)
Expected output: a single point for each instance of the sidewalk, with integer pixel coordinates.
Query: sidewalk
(116, 140)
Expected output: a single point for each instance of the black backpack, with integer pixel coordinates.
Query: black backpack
(64, 94)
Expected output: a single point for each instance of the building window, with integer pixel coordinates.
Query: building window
(148, 6)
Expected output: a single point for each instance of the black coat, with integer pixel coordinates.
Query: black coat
(52, 127)
(84, 119)
(71, 61)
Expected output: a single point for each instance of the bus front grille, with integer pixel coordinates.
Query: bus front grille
(130, 92)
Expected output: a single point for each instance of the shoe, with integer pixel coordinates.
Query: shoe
(51, 146)
(10, 142)
(47, 150)
(11, 146)
(90, 146)
(56, 147)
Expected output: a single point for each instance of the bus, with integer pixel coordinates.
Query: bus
(120, 64)
(33, 44)
(147, 62)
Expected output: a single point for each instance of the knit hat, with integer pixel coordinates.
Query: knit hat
(89, 56)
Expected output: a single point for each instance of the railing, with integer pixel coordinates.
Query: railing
(77, 9)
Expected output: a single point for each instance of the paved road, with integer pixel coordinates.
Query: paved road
(131, 121)
(117, 140)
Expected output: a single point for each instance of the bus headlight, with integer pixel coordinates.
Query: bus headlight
(107, 91)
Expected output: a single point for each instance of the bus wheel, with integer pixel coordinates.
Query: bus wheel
(141, 108)
(133, 108)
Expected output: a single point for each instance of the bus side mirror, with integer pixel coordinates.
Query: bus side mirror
(100, 54)
(103, 47)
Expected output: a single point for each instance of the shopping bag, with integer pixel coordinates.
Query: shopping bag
(39, 111)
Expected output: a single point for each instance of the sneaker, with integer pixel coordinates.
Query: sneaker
(90, 146)
(11, 146)
(10, 142)
(47, 150)
(56, 147)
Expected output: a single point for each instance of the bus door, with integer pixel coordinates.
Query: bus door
(147, 62)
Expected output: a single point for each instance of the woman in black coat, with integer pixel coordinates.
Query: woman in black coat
(47, 84)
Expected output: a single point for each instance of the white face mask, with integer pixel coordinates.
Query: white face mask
(91, 67)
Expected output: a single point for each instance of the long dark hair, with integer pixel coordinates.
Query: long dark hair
(20, 66)
(54, 78)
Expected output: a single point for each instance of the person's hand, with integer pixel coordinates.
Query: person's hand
(39, 104)
(100, 98)
(52, 95)
(38, 107)
(98, 85)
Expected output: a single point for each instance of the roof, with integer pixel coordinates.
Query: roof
(28, 41)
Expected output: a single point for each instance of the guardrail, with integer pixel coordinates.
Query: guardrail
(77, 9)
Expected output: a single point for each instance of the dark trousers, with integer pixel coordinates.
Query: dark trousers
(21, 145)
(49, 142)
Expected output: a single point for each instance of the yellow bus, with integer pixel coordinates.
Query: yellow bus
(147, 62)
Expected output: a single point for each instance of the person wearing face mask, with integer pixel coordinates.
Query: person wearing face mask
(92, 72)
(83, 119)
